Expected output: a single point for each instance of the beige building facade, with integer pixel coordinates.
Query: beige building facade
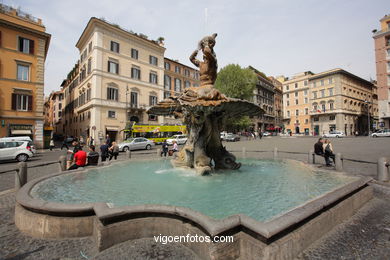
(296, 104)
(340, 101)
(120, 75)
(53, 112)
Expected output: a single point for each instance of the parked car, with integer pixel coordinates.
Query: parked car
(137, 143)
(223, 135)
(232, 138)
(267, 134)
(381, 133)
(180, 139)
(21, 138)
(336, 134)
(15, 150)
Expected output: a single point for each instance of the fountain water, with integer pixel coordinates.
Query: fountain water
(203, 109)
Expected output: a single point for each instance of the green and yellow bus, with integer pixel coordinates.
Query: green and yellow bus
(156, 133)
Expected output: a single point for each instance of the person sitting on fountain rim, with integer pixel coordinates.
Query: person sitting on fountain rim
(328, 152)
(318, 147)
(79, 159)
(93, 156)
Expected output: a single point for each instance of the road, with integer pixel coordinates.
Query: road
(360, 148)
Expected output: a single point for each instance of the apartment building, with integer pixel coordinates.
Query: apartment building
(341, 101)
(178, 77)
(278, 104)
(23, 48)
(296, 104)
(118, 77)
(264, 96)
(53, 112)
(382, 58)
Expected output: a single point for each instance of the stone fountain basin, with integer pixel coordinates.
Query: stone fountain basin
(284, 236)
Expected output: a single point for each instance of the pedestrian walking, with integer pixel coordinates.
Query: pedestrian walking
(114, 151)
(108, 140)
(51, 144)
(104, 152)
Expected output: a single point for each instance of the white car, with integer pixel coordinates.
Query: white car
(381, 133)
(136, 144)
(336, 134)
(15, 150)
(21, 138)
(180, 139)
(266, 134)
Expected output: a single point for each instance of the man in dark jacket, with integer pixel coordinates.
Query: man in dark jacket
(104, 152)
(93, 157)
(318, 147)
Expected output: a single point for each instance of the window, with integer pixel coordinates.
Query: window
(306, 111)
(315, 94)
(288, 95)
(330, 92)
(322, 92)
(152, 100)
(331, 105)
(135, 73)
(297, 112)
(23, 72)
(296, 101)
(167, 66)
(153, 60)
(177, 85)
(322, 82)
(288, 103)
(153, 77)
(113, 67)
(332, 117)
(323, 107)
(111, 114)
(26, 45)
(287, 87)
(88, 94)
(186, 73)
(187, 84)
(296, 94)
(167, 82)
(305, 92)
(114, 46)
(305, 83)
(112, 93)
(134, 54)
(167, 94)
(316, 118)
(306, 100)
(59, 106)
(306, 121)
(90, 47)
(134, 99)
(21, 102)
(177, 69)
(89, 65)
(296, 85)
(288, 113)
(330, 80)
(152, 118)
(314, 84)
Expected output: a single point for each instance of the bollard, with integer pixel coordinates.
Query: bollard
(383, 170)
(311, 157)
(275, 152)
(21, 175)
(338, 162)
(62, 162)
(128, 154)
(243, 152)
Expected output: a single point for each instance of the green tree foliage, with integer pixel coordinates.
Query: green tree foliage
(236, 82)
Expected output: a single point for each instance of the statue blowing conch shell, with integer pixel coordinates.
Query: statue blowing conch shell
(203, 109)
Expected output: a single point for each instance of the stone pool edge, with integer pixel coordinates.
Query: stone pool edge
(43, 219)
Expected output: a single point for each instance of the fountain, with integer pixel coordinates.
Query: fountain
(203, 109)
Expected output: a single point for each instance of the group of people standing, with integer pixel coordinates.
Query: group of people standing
(165, 149)
(324, 148)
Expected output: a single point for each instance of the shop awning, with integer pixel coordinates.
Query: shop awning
(21, 132)
(112, 128)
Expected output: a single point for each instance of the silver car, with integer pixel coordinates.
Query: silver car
(137, 143)
(381, 133)
(15, 150)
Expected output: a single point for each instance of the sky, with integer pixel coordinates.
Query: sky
(279, 37)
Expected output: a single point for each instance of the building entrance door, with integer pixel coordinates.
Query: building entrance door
(316, 130)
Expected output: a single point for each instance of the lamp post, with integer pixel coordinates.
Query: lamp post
(368, 115)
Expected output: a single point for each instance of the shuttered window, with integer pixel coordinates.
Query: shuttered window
(22, 102)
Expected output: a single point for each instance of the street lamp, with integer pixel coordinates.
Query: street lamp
(368, 115)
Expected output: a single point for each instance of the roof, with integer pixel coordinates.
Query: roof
(175, 61)
(339, 71)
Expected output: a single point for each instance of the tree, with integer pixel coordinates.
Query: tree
(236, 82)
